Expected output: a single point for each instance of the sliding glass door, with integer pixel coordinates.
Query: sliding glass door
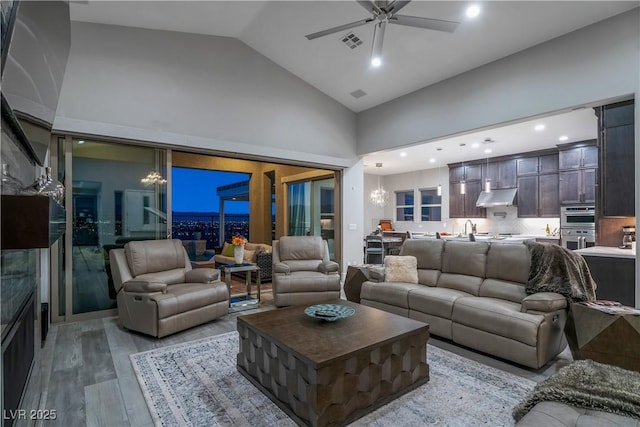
(311, 209)
(117, 193)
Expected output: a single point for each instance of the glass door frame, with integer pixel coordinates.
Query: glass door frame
(320, 175)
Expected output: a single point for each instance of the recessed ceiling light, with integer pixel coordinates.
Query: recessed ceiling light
(475, 145)
(563, 138)
(376, 61)
(403, 154)
(81, 141)
(539, 127)
(432, 160)
(487, 150)
(473, 11)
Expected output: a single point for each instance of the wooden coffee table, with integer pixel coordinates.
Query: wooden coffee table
(331, 373)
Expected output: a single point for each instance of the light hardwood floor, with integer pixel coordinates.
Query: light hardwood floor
(87, 377)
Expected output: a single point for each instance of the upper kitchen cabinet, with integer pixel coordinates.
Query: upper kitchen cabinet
(578, 165)
(617, 151)
(538, 195)
(465, 173)
(502, 174)
(579, 155)
(464, 205)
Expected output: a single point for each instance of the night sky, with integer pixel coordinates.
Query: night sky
(194, 190)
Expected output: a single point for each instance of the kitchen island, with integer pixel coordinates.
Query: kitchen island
(614, 271)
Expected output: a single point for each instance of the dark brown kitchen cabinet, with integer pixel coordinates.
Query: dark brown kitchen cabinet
(502, 174)
(548, 196)
(538, 196)
(528, 191)
(579, 157)
(577, 186)
(527, 166)
(464, 205)
(615, 278)
(617, 151)
(547, 163)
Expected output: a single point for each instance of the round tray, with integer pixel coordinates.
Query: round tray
(329, 312)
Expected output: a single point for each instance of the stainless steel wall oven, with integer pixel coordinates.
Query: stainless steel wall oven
(578, 226)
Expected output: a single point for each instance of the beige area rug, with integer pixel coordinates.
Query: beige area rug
(197, 384)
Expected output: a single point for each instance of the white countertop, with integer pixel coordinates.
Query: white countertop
(607, 251)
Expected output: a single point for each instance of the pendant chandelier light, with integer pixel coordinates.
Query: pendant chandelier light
(463, 185)
(378, 196)
(487, 181)
(153, 178)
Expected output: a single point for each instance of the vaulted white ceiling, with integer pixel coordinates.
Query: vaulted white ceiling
(413, 58)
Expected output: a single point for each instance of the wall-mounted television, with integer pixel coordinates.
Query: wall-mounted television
(35, 48)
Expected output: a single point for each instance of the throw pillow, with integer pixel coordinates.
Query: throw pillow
(401, 269)
(227, 250)
(249, 256)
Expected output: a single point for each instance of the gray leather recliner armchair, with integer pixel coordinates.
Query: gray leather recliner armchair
(303, 272)
(158, 293)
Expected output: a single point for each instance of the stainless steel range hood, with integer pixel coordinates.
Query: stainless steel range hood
(502, 197)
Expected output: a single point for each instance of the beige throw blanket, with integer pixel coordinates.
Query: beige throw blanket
(589, 385)
(557, 269)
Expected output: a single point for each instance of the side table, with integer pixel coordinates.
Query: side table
(613, 339)
(356, 276)
(242, 302)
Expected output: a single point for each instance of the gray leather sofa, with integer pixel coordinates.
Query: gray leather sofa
(303, 272)
(157, 291)
(473, 293)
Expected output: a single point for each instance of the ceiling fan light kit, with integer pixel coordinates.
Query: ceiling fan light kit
(384, 12)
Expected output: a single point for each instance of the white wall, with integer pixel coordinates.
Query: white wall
(352, 216)
(197, 91)
(596, 63)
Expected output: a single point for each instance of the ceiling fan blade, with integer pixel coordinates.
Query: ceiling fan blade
(338, 28)
(397, 5)
(370, 6)
(428, 23)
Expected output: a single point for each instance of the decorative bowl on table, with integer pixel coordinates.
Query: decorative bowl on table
(329, 312)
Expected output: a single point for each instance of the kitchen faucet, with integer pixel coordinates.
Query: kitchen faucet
(473, 227)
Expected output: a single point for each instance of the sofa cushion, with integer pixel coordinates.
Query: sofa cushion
(498, 317)
(391, 293)
(435, 301)
(557, 414)
(249, 256)
(508, 262)
(428, 252)
(293, 249)
(401, 269)
(461, 282)
(468, 258)
(185, 297)
(150, 256)
(227, 249)
(177, 275)
(428, 277)
(502, 289)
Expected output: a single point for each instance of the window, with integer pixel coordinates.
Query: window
(404, 205)
(430, 205)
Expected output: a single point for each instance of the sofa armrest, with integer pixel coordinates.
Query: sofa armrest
(281, 268)
(329, 267)
(202, 275)
(376, 274)
(144, 286)
(544, 301)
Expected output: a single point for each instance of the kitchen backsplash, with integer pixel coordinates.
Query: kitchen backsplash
(503, 219)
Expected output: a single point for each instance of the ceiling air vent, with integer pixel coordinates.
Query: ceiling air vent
(358, 93)
(352, 41)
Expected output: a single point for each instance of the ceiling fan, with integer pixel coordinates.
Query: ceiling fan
(384, 12)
